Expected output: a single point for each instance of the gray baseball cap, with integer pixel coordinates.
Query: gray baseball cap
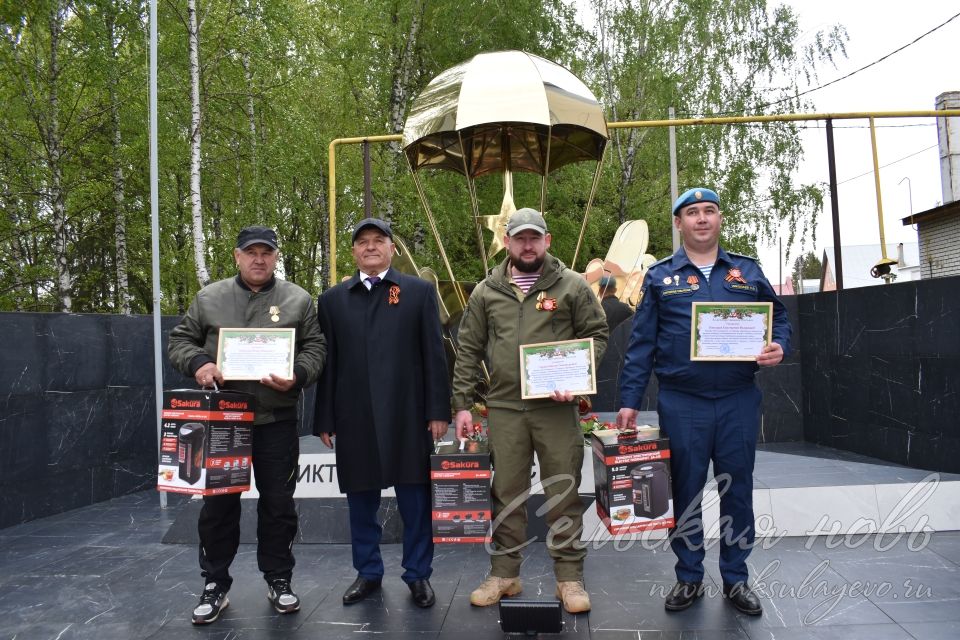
(526, 218)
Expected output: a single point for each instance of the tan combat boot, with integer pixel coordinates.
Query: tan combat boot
(494, 588)
(575, 598)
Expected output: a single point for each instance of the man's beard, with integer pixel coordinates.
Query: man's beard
(527, 267)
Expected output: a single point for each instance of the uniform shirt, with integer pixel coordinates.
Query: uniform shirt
(660, 339)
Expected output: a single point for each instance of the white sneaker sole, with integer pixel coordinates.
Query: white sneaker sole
(226, 603)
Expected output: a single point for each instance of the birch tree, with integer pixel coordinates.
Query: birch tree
(116, 139)
(196, 205)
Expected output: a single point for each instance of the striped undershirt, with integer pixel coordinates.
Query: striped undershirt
(525, 280)
(705, 270)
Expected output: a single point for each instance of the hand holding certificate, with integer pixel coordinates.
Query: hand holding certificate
(730, 330)
(255, 354)
(548, 367)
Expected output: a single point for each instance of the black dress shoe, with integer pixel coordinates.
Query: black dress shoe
(742, 597)
(422, 593)
(683, 595)
(360, 589)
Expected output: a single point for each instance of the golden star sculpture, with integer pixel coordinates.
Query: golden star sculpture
(498, 223)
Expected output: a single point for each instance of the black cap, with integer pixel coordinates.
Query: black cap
(382, 225)
(257, 235)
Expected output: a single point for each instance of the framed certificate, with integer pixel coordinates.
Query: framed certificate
(252, 354)
(567, 365)
(730, 330)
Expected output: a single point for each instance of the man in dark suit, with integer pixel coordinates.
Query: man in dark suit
(384, 395)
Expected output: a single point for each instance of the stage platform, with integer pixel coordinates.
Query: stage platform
(103, 571)
(799, 489)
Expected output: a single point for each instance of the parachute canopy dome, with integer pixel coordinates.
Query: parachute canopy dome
(507, 110)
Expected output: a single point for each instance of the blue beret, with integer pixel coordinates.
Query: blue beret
(692, 196)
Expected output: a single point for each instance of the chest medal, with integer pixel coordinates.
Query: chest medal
(734, 274)
(544, 303)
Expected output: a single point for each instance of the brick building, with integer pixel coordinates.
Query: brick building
(938, 230)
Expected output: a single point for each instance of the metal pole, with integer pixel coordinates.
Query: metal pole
(876, 184)
(155, 231)
(332, 192)
(674, 189)
(367, 186)
(332, 216)
(785, 117)
(834, 206)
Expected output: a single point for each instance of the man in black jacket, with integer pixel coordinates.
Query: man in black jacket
(385, 396)
(615, 310)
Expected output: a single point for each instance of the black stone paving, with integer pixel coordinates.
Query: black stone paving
(101, 572)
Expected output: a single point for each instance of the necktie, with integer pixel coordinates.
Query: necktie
(373, 281)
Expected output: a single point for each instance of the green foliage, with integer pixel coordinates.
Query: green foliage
(805, 267)
(280, 80)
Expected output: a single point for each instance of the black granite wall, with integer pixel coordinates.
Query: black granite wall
(782, 419)
(880, 372)
(877, 368)
(77, 413)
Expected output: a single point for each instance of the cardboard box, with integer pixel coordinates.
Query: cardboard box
(460, 490)
(205, 442)
(632, 483)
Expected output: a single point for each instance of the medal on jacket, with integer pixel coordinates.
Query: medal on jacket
(544, 303)
(394, 295)
(694, 282)
(275, 313)
(734, 274)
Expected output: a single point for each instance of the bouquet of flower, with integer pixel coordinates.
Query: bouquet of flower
(591, 423)
(479, 431)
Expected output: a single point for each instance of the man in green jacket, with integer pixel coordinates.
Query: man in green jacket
(531, 297)
(255, 298)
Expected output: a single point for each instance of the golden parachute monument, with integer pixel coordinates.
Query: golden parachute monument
(500, 113)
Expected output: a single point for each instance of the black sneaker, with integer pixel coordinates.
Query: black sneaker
(282, 596)
(213, 600)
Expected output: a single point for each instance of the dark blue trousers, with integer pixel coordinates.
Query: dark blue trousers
(413, 502)
(723, 430)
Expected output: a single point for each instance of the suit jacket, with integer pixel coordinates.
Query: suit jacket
(385, 378)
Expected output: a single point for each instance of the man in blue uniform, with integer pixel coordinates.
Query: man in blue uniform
(709, 410)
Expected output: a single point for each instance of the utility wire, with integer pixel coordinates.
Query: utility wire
(868, 173)
(875, 62)
(832, 82)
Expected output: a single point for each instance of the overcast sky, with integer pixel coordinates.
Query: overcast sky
(906, 81)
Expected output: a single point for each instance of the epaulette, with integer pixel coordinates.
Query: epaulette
(660, 261)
